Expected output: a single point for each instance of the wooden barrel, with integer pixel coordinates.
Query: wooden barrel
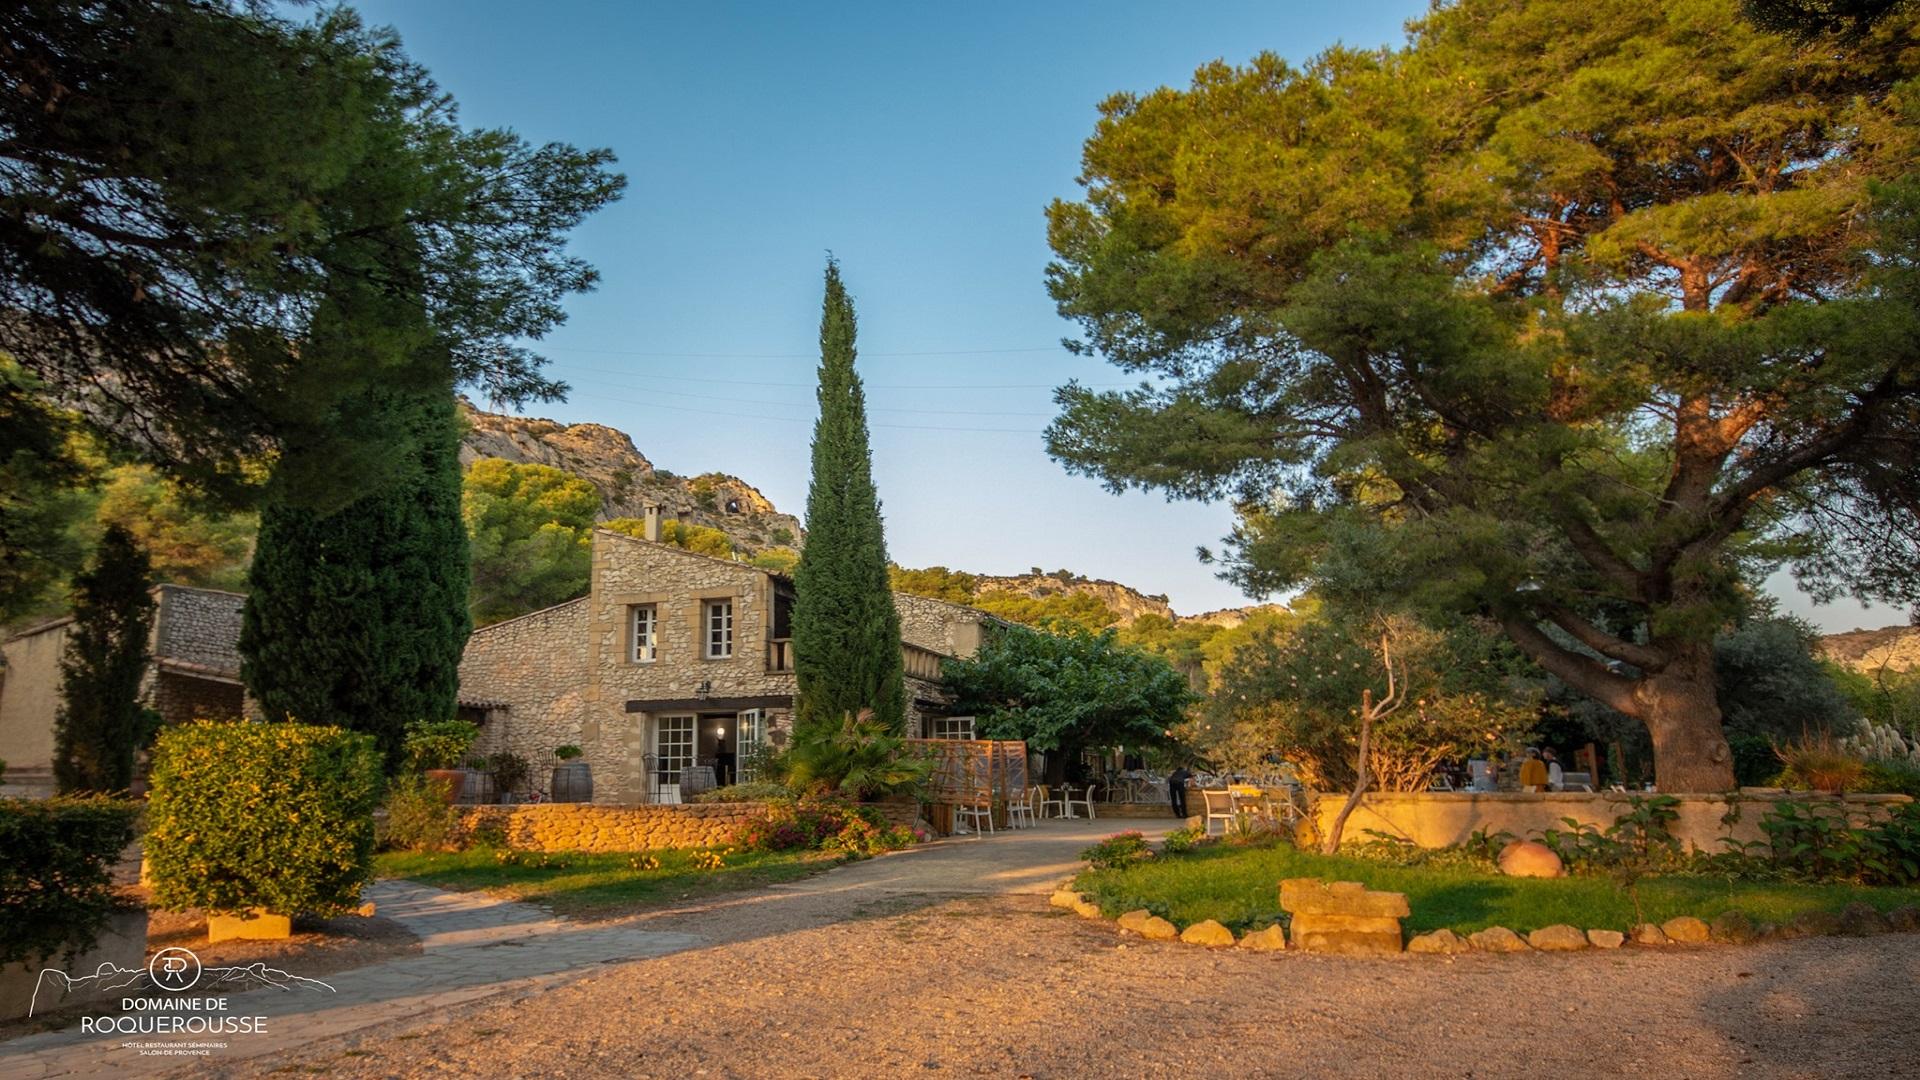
(695, 779)
(572, 782)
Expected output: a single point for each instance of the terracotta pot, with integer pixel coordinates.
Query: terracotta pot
(451, 782)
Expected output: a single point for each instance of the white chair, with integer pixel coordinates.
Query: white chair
(980, 813)
(1219, 803)
(1020, 809)
(1086, 800)
(1050, 801)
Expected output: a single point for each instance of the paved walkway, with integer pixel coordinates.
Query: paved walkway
(476, 947)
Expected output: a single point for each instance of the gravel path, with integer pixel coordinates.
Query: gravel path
(949, 960)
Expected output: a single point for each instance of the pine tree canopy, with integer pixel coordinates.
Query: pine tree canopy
(101, 722)
(1577, 316)
(187, 186)
(846, 631)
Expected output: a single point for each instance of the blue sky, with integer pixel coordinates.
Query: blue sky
(921, 145)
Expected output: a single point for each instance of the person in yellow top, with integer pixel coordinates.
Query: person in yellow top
(1533, 773)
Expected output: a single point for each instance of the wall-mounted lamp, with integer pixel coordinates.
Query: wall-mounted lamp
(705, 688)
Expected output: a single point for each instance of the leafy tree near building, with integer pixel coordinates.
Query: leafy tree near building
(1519, 323)
(1067, 690)
(40, 499)
(101, 722)
(189, 541)
(532, 534)
(846, 631)
(357, 618)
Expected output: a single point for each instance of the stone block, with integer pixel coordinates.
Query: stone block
(1272, 939)
(1558, 938)
(1135, 919)
(1311, 896)
(1158, 929)
(1086, 909)
(1606, 939)
(1686, 930)
(1347, 942)
(1362, 924)
(1498, 939)
(1444, 942)
(1904, 919)
(1860, 919)
(257, 926)
(1648, 933)
(1811, 924)
(1208, 933)
(1530, 858)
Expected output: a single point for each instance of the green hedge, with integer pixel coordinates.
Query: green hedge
(273, 816)
(56, 872)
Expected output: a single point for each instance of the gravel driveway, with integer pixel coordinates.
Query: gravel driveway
(948, 960)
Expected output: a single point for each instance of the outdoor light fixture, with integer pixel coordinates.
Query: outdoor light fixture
(706, 687)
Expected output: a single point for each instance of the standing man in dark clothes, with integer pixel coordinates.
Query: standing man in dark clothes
(1177, 790)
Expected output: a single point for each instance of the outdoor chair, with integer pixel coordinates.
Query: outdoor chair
(1020, 809)
(1050, 801)
(1219, 804)
(980, 813)
(1085, 799)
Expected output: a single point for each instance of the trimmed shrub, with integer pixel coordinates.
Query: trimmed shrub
(56, 872)
(420, 817)
(1118, 850)
(273, 816)
(750, 791)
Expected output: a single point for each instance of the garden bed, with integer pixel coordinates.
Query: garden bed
(604, 885)
(1238, 886)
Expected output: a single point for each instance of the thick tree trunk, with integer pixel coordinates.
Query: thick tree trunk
(1681, 708)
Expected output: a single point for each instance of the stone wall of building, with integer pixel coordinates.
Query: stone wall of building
(532, 671)
(948, 629)
(1445, 819)
(180, 698)
(30, 696)
(198, 626)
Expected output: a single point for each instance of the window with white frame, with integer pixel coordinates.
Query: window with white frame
(719, 629)
(643, 632)
(950, 727)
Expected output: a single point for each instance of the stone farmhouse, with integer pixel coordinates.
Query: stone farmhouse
(674, 659)
(194, 673)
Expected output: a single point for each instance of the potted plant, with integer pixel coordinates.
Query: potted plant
(434, 749)
(572, 779)
(510, 772)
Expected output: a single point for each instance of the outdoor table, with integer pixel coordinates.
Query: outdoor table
(1066, 801)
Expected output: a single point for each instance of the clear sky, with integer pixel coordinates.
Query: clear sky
(921, 145)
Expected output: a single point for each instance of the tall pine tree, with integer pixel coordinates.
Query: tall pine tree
(846, 631)
(101, 722)
(358, 617)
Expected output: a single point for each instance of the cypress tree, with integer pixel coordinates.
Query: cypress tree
(846, 631)
(101, 722)
(358, 617)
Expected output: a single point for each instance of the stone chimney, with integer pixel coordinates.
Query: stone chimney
(650, 515)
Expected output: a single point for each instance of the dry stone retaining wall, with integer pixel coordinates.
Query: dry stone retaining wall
(591, 828)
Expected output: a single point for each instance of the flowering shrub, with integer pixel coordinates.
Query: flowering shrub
(1118, 850)
(711, 860)
(643, 862)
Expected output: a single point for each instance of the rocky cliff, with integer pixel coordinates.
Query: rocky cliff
(1127, 602)
(628, 482)
(1892, 648)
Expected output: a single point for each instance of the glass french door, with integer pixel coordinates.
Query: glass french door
(673, 744)
(752, 728)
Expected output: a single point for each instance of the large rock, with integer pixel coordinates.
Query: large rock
(1135, 919)
(1530, 858)
(1272, 939)
(1064, 898)
(1087, 909)
(1208, 933)
(1158, 929)
(1498, 939)
(1558, 938)
(1648, 933)
(1733, 928)
(1860, 919)
(1686, 930)
(1811, 924)
(1311, 896)
(1439, 941)
(1606, 939)
(1904, 919)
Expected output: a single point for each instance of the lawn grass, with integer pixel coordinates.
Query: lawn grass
(600, 885)
(1239, 886)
